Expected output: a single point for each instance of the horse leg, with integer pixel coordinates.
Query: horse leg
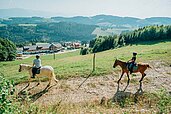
(127, 81)
(29, 80)
(143, 75)
(128, 78)
(38, 80)
(120, 77)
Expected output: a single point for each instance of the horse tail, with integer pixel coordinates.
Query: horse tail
(54, 77)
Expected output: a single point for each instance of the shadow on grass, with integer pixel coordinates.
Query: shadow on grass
(39, 94)
(85, 79)
(24, 94)
(123, 97)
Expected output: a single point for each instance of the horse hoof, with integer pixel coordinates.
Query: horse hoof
(56, 81)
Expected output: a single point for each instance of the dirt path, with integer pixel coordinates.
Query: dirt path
(97, 87)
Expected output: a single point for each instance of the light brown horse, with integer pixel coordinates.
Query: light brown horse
(44, 71)
(141, 68)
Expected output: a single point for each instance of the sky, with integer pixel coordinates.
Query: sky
(131, 8)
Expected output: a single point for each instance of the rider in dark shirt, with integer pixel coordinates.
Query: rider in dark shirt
(132, 62)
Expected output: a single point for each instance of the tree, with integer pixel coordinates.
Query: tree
(148, 33)
(84, 51)
(7, 50)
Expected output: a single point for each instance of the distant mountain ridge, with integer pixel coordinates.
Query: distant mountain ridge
(100, 20)
(36, 26)
(115, 21)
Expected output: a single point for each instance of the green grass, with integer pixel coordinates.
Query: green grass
(74, 65)
(110, 31)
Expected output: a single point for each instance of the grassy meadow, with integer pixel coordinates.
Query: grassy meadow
(110, 31)
(72, 64)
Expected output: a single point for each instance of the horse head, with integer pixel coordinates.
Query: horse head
(115, 63)
(24, 67)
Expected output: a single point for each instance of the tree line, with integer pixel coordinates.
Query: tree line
(148, 33)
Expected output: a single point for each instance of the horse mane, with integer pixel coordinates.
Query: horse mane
(121, 61)
(25, 65)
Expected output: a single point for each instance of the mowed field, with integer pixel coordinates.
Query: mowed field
(74, 65)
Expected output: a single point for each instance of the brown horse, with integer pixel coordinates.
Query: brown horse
(141, 68)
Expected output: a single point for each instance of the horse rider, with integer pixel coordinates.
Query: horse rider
(36, 65)
(132, 63)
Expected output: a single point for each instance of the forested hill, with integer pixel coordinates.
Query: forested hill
(100, 20)
(47, 32)
(33, 29)
(148, 33)
(116, 21)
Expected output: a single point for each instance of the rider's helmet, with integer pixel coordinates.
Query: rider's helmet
(134, 53)
(37, 56)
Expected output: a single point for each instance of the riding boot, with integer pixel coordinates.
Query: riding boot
(131, 70)
(33, 76)
(33, 72)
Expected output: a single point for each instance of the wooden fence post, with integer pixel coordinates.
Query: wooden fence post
(94, 59)
(54, 56)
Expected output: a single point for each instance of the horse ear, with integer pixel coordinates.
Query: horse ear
(115, 58)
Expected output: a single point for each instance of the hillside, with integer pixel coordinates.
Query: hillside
(30, 29)
(71, 70)
(74, 65)
(47, 32)
(15, 16)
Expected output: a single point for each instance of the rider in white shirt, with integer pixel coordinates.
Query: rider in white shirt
(36, 65)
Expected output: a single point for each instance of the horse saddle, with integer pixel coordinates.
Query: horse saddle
(36, 70)
(133, 66)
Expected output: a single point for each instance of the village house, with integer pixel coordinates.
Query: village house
(42, 48)
(72, 45)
